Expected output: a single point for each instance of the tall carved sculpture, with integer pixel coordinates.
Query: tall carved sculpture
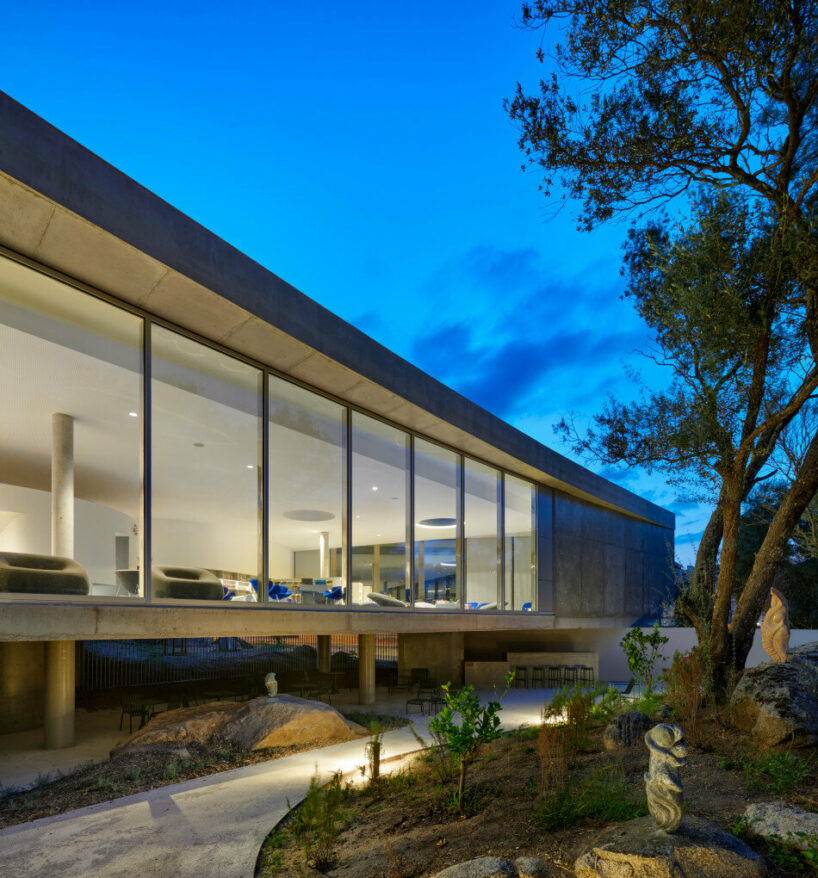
(663, 784)
(775, 629)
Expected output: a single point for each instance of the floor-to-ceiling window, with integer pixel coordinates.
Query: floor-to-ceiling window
(379, 483)
(483, 549)
(520, 544)
(437, 479)
(70, 439)
(307, 464)
(205, 481)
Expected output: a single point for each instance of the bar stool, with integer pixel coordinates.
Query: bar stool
(522, 677)
(586, 674)
(538, 677)
(554, 675)
(569, 674)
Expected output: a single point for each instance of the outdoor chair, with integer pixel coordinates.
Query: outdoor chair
(41, 574)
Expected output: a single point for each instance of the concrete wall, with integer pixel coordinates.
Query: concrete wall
(22, 681)
(442, 654)
(607, 565)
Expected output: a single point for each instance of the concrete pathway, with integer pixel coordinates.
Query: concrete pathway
(211, 826)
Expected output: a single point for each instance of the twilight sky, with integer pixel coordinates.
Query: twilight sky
(360, 151)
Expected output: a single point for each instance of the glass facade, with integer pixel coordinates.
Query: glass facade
(358, 512)
(520, 544)
(437, 485)
(483, 528)
(205, 470)
(380, 492)
(307, 474)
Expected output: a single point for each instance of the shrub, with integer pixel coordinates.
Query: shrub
(643, 651)
(318, 822)
(608, 705)
(478, 726)
(572, 707)
(132, 773)
(686, 684)
(779, 772)
(373, 750)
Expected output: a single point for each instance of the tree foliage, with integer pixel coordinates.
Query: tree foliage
(649, 101)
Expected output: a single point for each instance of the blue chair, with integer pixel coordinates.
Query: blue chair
(527, 606)
(336, 593)
(279, 592)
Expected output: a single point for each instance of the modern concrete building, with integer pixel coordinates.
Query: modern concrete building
(186, 426)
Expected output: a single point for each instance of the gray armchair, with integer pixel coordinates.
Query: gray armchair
(189, 583)
(24, 573)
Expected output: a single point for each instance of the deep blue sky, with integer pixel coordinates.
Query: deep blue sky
(360, 151)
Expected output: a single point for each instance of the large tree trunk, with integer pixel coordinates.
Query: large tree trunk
(697, 603)
(754, 594)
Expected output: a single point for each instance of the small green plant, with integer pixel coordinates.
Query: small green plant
(478, 726)
(174, 767)
(573, 707)
(778, 772)
(105, 784)
(608, 705)
(373, 750)
(271, 861)
(686, 686)
(788, 858)
(132, 773)
(605, 795)
(648, 702)
(643, 651)
(318, 822)
(523, 733)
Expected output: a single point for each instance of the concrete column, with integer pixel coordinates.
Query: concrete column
(58, 712)
(324, 652)
(59, 694)
(22, 677)
(366, 669)
(323, 554)
(62, 485)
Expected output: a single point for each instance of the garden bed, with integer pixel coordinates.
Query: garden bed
(407, 825)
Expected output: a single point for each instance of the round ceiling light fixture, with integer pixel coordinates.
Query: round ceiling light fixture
(439, 523)
(308, 515)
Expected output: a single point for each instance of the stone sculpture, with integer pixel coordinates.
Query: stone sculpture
(663, 784)
(272, 684)
(775, 629)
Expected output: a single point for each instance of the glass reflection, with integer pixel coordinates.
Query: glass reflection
(520, 544)
(482, 530)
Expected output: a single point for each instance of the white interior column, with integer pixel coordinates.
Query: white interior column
(62, 485)
(366, 669)
(58, 714)
(323, 554)
(324, 652)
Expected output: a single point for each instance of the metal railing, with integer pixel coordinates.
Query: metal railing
(112, 664)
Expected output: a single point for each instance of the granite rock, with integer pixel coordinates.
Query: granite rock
(637, 849)
(791, 825)
(177, 728)
(627, 730)
(482, 867)
(778, 701)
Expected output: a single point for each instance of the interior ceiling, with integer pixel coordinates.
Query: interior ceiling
(74, 354)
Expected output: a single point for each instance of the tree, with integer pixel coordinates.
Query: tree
(726, 308)
(686, 94)
(478, 726)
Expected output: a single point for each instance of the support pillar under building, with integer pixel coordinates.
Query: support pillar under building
(324, 641)
(366, 669)
(58, 712)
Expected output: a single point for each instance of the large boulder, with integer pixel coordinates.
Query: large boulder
(178, 728)
(777, 702)
(494, 867)
(786, 823)
(640, 848)
(627, 730)
(281, 721)
(286, 720)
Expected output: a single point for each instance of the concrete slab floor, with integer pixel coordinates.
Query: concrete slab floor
(23, 759)
(208, 826)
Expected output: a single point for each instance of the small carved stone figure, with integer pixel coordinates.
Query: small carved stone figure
(663, 784)
(272, 684)
(775, 629)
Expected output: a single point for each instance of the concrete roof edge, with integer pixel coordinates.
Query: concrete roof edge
(50, 162)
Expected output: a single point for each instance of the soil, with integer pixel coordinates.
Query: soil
(406, 827)
(131, 773)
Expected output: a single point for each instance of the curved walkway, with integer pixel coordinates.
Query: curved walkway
(210, 826)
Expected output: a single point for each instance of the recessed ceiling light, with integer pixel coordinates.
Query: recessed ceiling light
(133, 414)
(250, 466)
(436, 523)
(357, 516)
(374, 487)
